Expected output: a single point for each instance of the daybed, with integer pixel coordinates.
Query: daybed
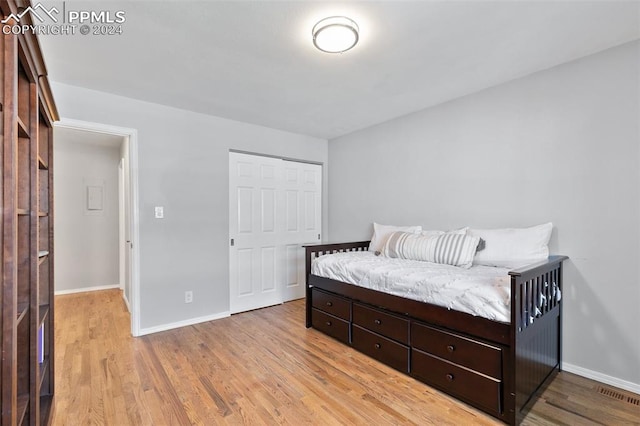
(497, 367)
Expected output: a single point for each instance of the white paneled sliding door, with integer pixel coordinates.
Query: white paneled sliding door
(274, 208)
(302, 211)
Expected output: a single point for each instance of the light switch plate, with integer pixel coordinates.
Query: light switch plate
(159, 212)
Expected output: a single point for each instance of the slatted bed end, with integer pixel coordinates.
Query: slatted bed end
(316, 250)
(536, 327)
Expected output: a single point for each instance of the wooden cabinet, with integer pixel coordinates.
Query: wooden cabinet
(26, 294)
(332, 315)
(381, 335)
(383, 349)
(479, 390)
(332, 326)
(470, 353)
(332, 304)
(381, 322)
(461, 365)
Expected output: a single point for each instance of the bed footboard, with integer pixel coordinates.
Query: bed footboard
(316, 250)
(536, 327)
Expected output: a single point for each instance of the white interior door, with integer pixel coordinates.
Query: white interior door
(274, 207)
(303, 224)
(254, 255)
(124, 217)
(121, 225)
(128, 225)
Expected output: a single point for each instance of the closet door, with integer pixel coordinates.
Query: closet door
(254, 255)
(274, 208)
(303, 224)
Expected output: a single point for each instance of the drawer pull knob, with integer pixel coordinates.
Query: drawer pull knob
(449, 377)
(451, 348)
(328, 323)
(329, 304)
(378, 345)
(377, 321)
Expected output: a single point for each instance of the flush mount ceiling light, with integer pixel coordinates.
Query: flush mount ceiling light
(336, 34)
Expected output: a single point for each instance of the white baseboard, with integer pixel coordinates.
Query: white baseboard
(85, 289)
(126, 301)
(603, 378)
(184, 323)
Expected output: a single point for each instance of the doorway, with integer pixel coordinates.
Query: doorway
(125, 184)
(274, 208)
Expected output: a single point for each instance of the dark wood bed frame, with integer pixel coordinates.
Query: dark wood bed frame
(496, 367)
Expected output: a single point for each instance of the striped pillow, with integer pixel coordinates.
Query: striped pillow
(451, 249)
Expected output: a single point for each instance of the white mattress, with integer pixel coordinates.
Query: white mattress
(482, 291)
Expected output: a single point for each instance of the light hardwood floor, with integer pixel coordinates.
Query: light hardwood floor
(260, 367)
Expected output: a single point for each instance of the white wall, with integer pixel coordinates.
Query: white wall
(183, 166)
(560, 145)
(86, 243)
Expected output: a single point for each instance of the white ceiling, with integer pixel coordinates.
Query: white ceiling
(253, 61)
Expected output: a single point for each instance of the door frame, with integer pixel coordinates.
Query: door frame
(122, 225)
(132, 134)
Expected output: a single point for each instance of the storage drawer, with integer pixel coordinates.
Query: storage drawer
(379, 347)
(332, 304)
(330, 325)
(478, 389)
(388, 325)
(478, 356)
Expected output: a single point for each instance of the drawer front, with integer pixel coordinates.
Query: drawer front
(381, 322)
(477, 389)
(478, 356)
(328, 324)
(379, 347)
(332, 304)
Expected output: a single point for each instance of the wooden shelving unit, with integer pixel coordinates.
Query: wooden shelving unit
(26, 295)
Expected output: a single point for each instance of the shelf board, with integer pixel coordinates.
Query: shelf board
(21, 408)
(23, 308)
(23, 131)
(43, 214)
(41, 164)
(43, 253)
(23, 212)
(44, 311)
(45, 407)
(43, 370)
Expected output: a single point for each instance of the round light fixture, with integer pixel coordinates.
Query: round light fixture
(336, 34)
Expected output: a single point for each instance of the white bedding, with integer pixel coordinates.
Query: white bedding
(482, 291)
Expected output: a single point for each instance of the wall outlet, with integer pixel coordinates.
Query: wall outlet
(188, 296)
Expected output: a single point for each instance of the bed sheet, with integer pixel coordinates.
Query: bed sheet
(482, 291)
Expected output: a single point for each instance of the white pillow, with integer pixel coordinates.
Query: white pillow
(431, 233)
(381, 232)
(436, 233)
(460, 231)
(450, 248)
(512, 246)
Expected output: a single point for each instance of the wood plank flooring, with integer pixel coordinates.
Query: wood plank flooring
(260, 367)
